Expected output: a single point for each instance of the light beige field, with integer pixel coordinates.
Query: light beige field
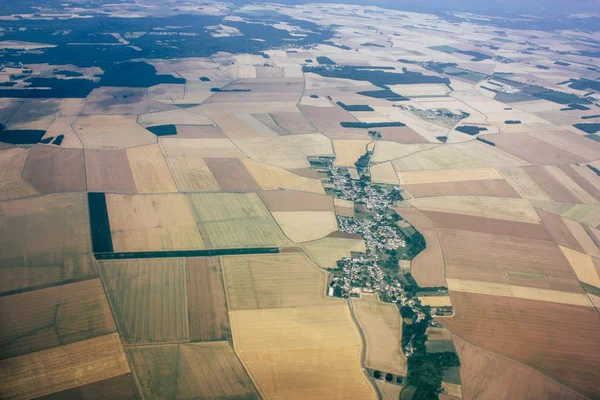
(488, 155)
(452, 389)
(422, 89)
(347, 152)
(152, 222)
(453, 175)
(441, 157)
(191, 174)
(583, 265)
(382, 326)
(572, 186)
(384, 173)
(327, 251)
(62, 126)
(178, 116)
(588, 214)
(523, 184)
(233, 220)
(111, 132)
(304, 226)
(12, 186)
(166, 92)
(34, 114)
(518, 292)
(270, 177)
(488, 207)
(286, 151)
(278, 281)
(149, 169)
(37, 374)
(435, 301)
(301, 353)
(200, 147)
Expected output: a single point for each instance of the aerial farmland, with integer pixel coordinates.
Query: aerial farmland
(244, 200)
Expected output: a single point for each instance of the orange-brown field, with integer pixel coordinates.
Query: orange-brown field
(55, 170)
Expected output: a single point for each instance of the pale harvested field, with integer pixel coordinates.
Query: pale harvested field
(191, 174)
(231, 175)
(179, 116)
(278, 281)
(488, 207)
(149, 169)
(573, 187)
(111, 132)
(232, 220)
(268, 121)
(48, 371)
(518, 292)
(50, 169)
(152, 222)
(109, 100)
(344, 211)
(506, 259)
(166, 92)
(343, 203)
(293, 122)
(304, 226)
(488, 155)
(199, 131)
(422, 89)
(503, 379)
(62, 126)
(441, 157)
(582, 237)
(269, 177)
(286, 151)
(381, 324)
(327, 119)
(533, 150)
(43, 243)
(347, 152)
(108, 171)
(208, 315)
(287, 200)
(527, 331)
(452, 389)
(487, 188)
(190, 371)
(442, 176)
(388, 391)
(12, 186)
(54, 316)
(583, 265)
(384, 173)
(488, 225)
(435, 301)
(257, 125)
(581, 179)
(555, 189)
(148, 299)
(34, 114)
(401, 134)
(200, 147)
(588, 175)
(570, 142)
(300, 353)
(387, 151)
(523, 184)
(8, 108)
(327, 251)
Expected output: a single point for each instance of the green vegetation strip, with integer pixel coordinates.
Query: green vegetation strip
(185, 253)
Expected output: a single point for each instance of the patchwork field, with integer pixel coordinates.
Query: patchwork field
(289, 200)
(12, 186)
(382, 327)
(144, 310)
(486, 188)
(347, 152)
(108, 171)
(53, 370)
(191, 174)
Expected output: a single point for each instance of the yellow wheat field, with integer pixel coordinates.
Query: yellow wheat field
(488, 155)
(270, 177)
(11, 184)
(583, 265)
(111, 132)
(570, 184)
(384, 173)
(304, 226)
(199, 147)
(443, 157)
(453, 175)
(382, 326)
(452, 389)
(523, 184)
(347, 152)
(435, 301)
(149, 169)
(191, 174)
(327, 251)
(388, 151)
(152, 222)
(60, 368)
(519, 292)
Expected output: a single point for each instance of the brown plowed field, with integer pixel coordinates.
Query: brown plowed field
(293, 122)
(488, 376)
(344, 235)
(581, 181)
(50, 169)
(401, 134)
(117, 388)
(281, 200)
(559, 230)
(232, 175)
(73, 312)
(555, 189)
(490, 258)
(206, 300)
(559, 340)
(108, 171)
(487, 225)
(533, 150)
(487, 188)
